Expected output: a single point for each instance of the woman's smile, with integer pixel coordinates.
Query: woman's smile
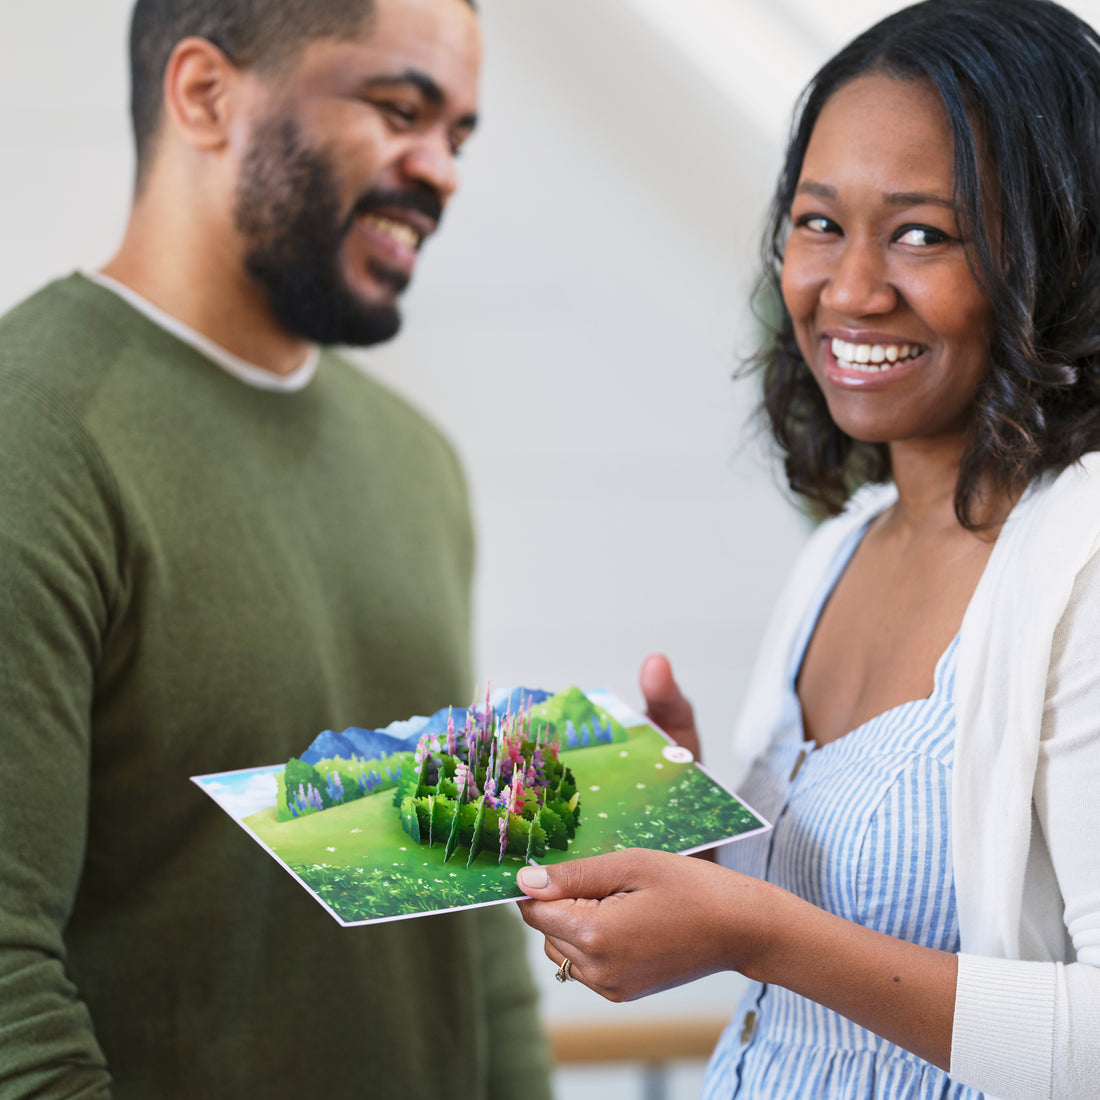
(869, 363)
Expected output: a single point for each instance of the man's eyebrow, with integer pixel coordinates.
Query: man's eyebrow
(891, 198)
(427, 87)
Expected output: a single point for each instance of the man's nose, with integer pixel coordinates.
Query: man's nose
(431, 160)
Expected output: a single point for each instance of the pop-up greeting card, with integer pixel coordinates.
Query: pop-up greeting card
(436, 814)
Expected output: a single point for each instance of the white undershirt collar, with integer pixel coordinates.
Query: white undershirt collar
(242, 369)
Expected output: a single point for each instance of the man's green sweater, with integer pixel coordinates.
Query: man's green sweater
(198, 575)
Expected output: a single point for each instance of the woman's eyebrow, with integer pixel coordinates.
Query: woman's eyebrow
(812, 187)
(917, 198)
(891, 198)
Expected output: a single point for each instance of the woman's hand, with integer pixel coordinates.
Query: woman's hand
(666, 706)
(639, 921)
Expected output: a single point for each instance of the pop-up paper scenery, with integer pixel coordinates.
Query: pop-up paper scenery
(438, 813)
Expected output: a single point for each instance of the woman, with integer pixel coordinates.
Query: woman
(924, 918)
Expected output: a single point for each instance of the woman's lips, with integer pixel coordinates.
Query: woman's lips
(873, 357)
(869, 364)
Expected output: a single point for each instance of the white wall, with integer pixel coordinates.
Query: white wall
(574, 329)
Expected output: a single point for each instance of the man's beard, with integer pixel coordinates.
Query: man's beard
(288, 211)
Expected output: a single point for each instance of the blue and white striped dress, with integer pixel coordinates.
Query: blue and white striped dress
(862, 829)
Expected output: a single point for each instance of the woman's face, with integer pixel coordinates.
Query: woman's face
(886, 310)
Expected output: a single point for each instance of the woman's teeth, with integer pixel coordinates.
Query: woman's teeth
(873, 357)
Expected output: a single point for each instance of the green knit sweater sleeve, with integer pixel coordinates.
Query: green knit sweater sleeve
(519, 1054)
(58, 575)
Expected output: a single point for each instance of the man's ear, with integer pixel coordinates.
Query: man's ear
(199, 81)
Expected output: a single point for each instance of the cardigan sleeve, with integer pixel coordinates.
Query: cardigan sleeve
(1030, 1029)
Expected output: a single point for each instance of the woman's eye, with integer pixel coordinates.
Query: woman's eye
(817, 223)
(921, 235)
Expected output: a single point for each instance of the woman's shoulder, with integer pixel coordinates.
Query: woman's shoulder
(1057, 519)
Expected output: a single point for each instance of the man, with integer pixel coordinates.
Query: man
(216, 541)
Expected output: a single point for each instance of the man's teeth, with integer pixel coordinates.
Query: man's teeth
(400, 232)
(873, 357)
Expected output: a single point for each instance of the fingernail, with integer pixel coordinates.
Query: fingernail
(534, 878)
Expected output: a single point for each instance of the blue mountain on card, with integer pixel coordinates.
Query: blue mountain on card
(403, 736)
(366, 744)
(513, 699)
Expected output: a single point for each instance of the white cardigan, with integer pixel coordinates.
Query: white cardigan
(1025, 805)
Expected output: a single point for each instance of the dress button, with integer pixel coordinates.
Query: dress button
(748, 1027)
(797, 765)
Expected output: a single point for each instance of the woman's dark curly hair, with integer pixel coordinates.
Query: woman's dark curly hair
(1020, 80)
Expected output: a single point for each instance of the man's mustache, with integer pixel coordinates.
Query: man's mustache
(424, 200)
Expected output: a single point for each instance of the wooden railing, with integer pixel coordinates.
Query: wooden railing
(653, 1046)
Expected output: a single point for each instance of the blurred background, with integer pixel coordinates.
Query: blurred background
(574, 329)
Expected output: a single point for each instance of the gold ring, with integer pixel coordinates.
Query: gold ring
(563, 974)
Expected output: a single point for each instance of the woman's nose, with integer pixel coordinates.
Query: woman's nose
(858, 285)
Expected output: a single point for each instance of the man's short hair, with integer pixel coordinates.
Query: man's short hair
(260, 34)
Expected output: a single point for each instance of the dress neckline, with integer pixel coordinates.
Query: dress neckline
(809, 625)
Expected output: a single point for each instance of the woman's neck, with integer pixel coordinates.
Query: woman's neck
(926, 474)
